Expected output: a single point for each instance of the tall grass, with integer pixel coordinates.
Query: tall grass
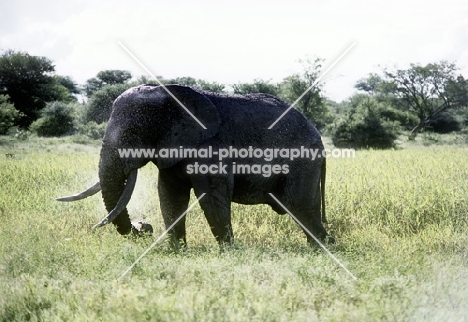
(400, 219)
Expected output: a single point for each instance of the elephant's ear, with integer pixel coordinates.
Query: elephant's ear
(191, 119)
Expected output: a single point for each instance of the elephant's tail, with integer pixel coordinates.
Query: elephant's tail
(323, 173)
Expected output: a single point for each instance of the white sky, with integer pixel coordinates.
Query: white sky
(237, 41)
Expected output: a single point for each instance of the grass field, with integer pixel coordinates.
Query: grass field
(399, 217)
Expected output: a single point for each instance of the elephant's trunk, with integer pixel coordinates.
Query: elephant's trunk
(87, 193)
(116, 194)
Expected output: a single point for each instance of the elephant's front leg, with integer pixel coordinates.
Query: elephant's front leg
(174, 195)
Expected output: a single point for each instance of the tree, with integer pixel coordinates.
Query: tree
(106, 77)
(366, 125)
(258, 86)
(197, 83)
(8, 114)
(112, 77)
(371, 84)
(29, 82)
(427, 91)
(68, 83)
(312, 103)
(211, 86)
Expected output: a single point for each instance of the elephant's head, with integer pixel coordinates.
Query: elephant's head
(147, 117)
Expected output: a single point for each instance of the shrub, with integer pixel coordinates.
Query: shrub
(18, 133)
(366, 127)
(93, 130)
(445, 122)
(56, 120)
(8, 114)
(406, 119)
(99, 106)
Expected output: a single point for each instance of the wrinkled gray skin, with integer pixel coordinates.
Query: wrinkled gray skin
(148, 117)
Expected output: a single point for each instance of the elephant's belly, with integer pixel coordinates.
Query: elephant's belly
(255, 189)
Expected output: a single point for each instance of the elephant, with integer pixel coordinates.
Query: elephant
(174, 117)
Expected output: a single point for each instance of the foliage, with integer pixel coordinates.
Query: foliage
(214, 87)
(399, 218)
(306, 96)
(99, 106)
(258, 86)
(30, 83)
(57, 119)
(106, 77)
(371, 84)
(8, 114)
(92, 130)
(19, 134)
(445, 122)
(68, 83)
(425, 91)
(368, 125)
(197, 83)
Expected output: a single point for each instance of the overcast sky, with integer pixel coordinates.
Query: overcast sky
(237, 41)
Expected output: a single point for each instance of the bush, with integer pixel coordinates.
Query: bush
(93, 130)
(56, 120)
(445, 122)
(99, 106)
(406, 119)
(8, 114)
(19, 134)
(366, 127)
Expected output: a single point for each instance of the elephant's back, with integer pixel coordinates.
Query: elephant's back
(261, 119)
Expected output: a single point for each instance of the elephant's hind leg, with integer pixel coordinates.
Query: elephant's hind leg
(218, 214)
(304, 199)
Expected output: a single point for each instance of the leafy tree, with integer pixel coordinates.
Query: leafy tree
(106, 77)
(311, 104)
(29, 82)
(366, 125)
(92, 85)
(112, 77)
(8, 114)
(185, 81)
(57, 119)
(258, 86)
(427, 91)
(99, 106)
(371, 84)
(68, 83)
(197, 83)
(211, 86)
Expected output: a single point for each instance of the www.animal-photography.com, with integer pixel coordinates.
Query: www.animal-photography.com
(244, 161)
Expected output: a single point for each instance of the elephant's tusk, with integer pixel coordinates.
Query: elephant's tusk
(123, 201)
(89, 192)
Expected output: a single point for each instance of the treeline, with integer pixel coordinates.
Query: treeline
(433, 97)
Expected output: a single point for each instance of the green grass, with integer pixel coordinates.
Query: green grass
(400, 219)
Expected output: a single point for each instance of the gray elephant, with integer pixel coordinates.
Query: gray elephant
(148, 117)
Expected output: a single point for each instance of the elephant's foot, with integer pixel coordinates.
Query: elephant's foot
(141, 228)
(176, 245)
(329, 239)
